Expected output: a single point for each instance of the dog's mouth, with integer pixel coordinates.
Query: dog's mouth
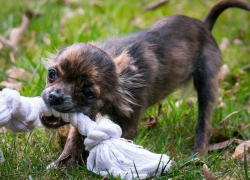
(52, 122)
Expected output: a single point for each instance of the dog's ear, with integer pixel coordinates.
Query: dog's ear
(124, 98)
(123, 62)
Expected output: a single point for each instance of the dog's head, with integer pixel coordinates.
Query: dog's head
(81, 79)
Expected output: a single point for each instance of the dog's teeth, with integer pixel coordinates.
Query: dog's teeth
(65, 117)
(46, 111)
(56, 113)
(54, 123)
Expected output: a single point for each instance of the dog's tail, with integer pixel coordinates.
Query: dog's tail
(219, 7)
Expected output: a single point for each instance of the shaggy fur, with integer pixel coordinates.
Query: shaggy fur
(121, 77)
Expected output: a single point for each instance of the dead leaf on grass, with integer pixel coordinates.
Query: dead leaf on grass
(154, 5)
(221, 145)
(191, 101)
(150, 122)
(224, 70)
(17, 73)
(224, 43)
(46, 39)
(14, 75)
(239, 150)
(69, 13)
(16, 33)
(17, 86)
(237, 41)
(178, 103)
(246, 127)
(3, 129)
(207, 173)
(96, 3)
(137, 22)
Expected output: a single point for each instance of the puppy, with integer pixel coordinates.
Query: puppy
(121, 77)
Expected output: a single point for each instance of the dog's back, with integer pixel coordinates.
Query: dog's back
(168, 54)
(150, 64)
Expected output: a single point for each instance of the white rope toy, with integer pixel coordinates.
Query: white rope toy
(108, 153)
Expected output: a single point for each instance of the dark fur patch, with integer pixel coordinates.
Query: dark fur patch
(131, 73)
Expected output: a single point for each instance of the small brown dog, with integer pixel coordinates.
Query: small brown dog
(124, 76)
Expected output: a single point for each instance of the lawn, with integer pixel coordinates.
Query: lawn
(62, 24)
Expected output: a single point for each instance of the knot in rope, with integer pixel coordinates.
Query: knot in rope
(104, 129)
(19, 114)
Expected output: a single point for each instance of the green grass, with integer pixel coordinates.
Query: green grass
(27, 155)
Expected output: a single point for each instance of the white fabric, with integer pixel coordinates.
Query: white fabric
(108, 153)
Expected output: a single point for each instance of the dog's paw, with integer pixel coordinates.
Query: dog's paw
(53, 165)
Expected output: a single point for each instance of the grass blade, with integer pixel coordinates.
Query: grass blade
(245, 163)
(136, 171)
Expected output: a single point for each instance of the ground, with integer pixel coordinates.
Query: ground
(64, 23)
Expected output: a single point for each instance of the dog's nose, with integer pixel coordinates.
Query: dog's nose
(55, 99)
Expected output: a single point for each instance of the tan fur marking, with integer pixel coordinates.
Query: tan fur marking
(97, 90)
(122, 59)
(94, 43)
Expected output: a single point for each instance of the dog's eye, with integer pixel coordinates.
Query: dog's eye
(52, 74)
(88, 93)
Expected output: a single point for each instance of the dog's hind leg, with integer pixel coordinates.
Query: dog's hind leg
(206, 84)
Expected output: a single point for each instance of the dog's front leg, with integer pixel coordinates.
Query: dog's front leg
(74, 150)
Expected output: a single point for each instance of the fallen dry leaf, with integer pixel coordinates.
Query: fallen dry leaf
(221, 145)
(239, 150)
(17, 73)
(1, 45)
(15, 86)
(46, 39)
(191, 101)
(137, 22)
(69, 13)
(154, 5)
(237, 41)
(16, 33)
(246, 127)
(14, 75)
(178, 103)
(3, 129)
(150, 122)
(96, 3)
(207, 173)
(224, 43)
(224, 70)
